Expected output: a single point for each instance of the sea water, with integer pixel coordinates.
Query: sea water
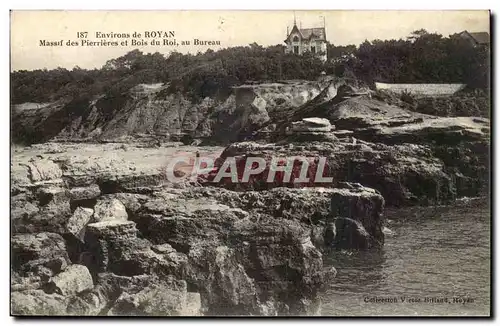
(435, 263)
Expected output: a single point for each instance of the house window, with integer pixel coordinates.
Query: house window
(296, 49)
(295, 38)
(313, 49)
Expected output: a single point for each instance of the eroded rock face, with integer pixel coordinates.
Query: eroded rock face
(43, 170)
(152, 108)
(224, 285)
(285, 265)
(312, 125)
(73, 280)
(237, 253)
(85, 193)
(106, 291)
(243, 253)
(44, 208)
(364, 207)
(446, 141)
(404, 174)
(78, 221)
(157, 300)
(32, 253)
(350, 234)
(109, 209)
(101, 237)
(37, 303)
(260, 241)
(214, 251)
(108, 235)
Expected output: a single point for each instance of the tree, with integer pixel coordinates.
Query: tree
(422, 57)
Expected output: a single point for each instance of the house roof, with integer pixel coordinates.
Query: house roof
(308, 33)
(479, 37)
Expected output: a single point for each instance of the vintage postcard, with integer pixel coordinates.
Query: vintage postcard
(250, 163)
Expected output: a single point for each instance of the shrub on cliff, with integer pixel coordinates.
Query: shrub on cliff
(422, 58)
(465, 103)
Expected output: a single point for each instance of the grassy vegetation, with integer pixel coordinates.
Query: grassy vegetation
(464, 103)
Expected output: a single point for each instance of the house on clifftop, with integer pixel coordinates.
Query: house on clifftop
(307, 40)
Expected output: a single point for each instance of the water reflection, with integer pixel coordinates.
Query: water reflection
(361, 269)
(434, 252)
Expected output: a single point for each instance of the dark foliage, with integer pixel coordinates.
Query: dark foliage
(422, 58)
(465, 103)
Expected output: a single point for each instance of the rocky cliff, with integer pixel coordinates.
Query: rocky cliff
(411, 158)
(153, 109)
(98, 229)
(97, 235)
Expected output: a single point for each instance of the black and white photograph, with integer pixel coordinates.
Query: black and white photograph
(216, 163)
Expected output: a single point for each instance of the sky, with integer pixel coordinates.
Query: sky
(231, 28)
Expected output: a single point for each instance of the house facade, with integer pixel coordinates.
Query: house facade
(307, 40)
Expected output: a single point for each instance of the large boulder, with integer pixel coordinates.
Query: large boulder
(109, 209)
(100, 237)
(41, 209)
(183, 222)
(37, 303)
(85, 193)
(312, 125)
(131, 201)
(108, 288)
(40, 252)
(43, 170)
(111, 229)
(114, 247)
(73, 280)
(22, 209)
(350, 234)
(78, 221)
(157, 300)
(286, 267)
(364, 207)
(224, 285)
